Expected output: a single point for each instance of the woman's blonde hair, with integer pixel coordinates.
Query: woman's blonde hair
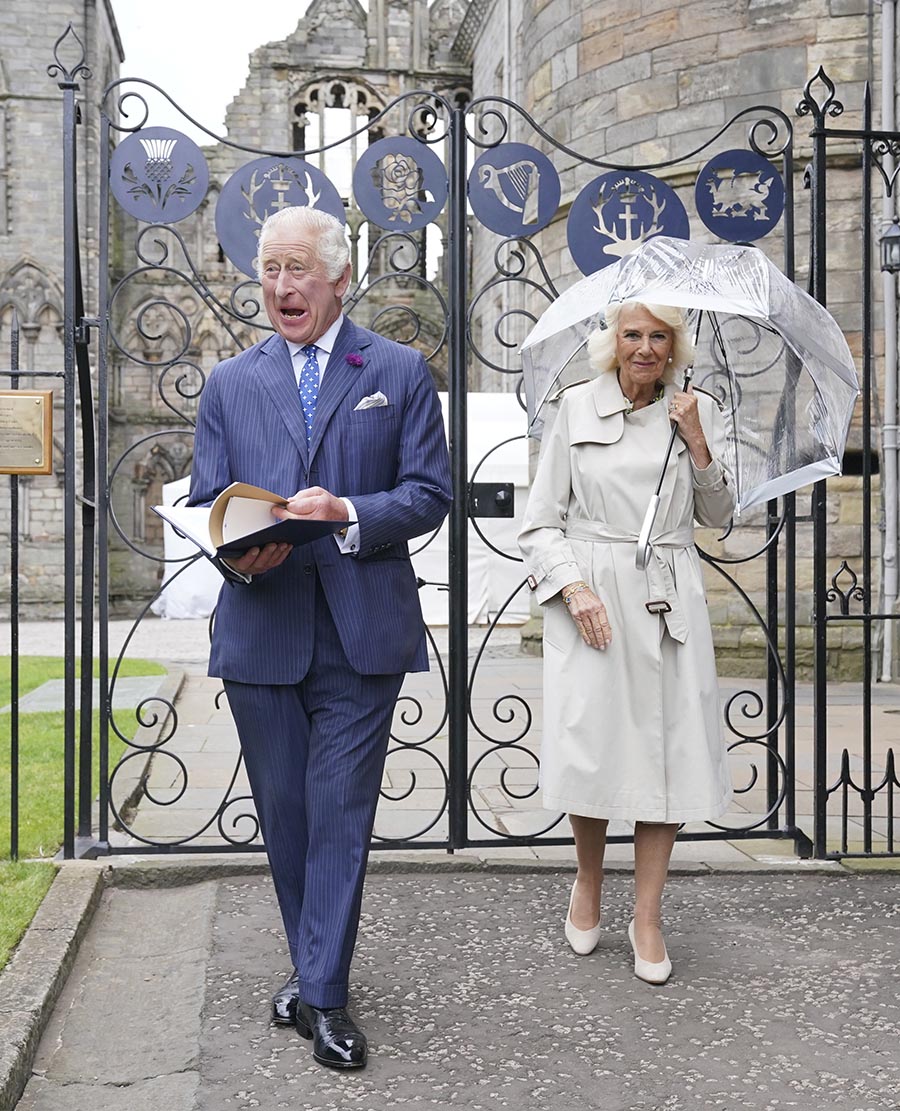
(601, 344)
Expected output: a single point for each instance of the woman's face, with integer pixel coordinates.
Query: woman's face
(643, 346)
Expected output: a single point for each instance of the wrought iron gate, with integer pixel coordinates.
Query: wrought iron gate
(475, 305)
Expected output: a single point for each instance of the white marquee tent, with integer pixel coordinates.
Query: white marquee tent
(492, 419)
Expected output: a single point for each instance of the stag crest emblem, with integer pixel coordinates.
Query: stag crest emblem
(735, 194)
(278, 186)
(627, 213)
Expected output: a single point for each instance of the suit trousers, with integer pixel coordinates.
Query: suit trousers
(314, 753)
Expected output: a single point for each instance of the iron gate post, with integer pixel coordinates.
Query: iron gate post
(868, 362)
(458, 620)
(818, 289)
(69, 86)
(14, 621)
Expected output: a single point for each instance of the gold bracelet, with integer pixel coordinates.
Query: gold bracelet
(575, 590)
(578, 584)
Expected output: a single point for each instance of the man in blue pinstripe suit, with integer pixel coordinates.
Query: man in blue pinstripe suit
(312, 643)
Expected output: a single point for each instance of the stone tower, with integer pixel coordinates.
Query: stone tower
(31, 239)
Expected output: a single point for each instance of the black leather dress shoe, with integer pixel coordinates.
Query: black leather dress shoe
(284, 1002)
(337, 1041)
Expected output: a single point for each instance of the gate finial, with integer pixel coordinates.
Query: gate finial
(58, 68)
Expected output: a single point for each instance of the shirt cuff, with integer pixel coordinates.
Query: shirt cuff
(237, 574)
(349, 542)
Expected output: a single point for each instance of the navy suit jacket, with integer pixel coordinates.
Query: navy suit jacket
(390, 461)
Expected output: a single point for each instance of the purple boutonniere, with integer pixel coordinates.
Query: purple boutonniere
(355, 360)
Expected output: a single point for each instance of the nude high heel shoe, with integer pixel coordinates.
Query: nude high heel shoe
(651, 972)
(581, 941)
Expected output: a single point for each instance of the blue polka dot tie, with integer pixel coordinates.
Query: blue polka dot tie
(309, 386)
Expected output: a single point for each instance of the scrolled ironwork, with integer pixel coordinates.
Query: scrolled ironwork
(505, 707)
(245, 307)
(810, 104)
(398, 745)
(510, 272)
(780, 132)
(774, 657)
(58, 68)
(482, 114)
(423, 118)
(853, 593)
(408, 313)
(507, 726)
(250, 816)
(780, 795)
(113, 516)
(186, 370)
(882, 149)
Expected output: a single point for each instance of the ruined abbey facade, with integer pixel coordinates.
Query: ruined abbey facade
(629, 84)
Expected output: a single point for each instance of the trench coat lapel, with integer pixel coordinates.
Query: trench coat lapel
(608, 396)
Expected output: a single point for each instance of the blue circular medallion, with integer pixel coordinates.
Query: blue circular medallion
(260, 188)
(514, 189)
(400, 184)
(739, 195)
(158, 175)
(617, 212)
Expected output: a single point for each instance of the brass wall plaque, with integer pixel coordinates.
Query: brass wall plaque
(26, 431)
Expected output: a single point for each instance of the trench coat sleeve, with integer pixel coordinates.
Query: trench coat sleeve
(713, 489)
(547, 553)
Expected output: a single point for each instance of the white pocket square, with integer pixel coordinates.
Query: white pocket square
(373, 401)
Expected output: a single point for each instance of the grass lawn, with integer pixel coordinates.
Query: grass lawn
(23, 885)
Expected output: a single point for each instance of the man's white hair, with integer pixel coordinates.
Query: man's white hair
(332, 247)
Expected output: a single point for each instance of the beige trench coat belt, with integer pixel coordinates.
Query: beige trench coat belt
(660, 584)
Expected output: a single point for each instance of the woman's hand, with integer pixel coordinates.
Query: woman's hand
(589, 615)
(683, 411)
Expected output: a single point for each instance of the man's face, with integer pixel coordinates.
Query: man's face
(301, 302)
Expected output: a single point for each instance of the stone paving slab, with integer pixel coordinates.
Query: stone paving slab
(33, 979)
(783, 996)
(129, 691)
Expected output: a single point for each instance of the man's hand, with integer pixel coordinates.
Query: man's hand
(256, 560)
(314, 504)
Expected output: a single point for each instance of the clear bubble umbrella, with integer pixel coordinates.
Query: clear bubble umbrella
(775, 359)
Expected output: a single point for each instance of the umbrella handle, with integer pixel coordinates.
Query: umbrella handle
(644, 547)
(642, 554)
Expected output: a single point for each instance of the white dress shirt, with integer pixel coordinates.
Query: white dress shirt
(324, 346)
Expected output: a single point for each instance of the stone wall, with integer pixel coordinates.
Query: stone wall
(645, 84)
(340, 61)
(31, 244)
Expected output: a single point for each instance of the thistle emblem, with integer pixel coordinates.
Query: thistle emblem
(158, 166)
(158, 175)
(158, 169)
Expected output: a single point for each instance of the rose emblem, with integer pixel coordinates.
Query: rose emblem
(399, 178)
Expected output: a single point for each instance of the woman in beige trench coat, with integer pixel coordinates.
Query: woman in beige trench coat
(631, 712)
